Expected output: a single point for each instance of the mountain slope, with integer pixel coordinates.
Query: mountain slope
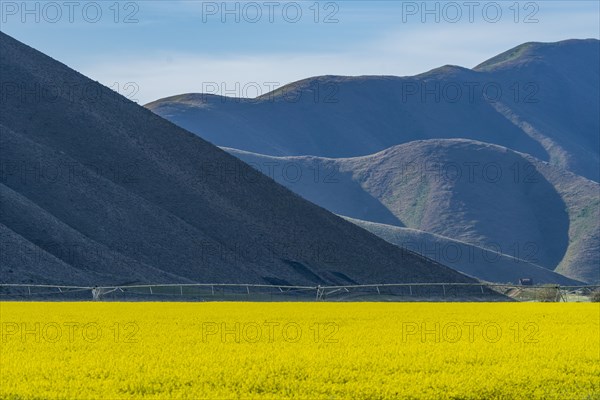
(484, 195)
(472, 260)
(539, 98)
(565, 117)
(96, 189)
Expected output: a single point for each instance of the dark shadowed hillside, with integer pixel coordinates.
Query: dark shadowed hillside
(98, 190)
(480, 194)
(538, 98)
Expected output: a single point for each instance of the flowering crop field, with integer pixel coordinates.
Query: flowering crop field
(300, 350)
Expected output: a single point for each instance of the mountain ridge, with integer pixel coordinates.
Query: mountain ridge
(537, 105)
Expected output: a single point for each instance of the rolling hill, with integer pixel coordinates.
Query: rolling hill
(97, 190)
(476, 193)
(537, 98)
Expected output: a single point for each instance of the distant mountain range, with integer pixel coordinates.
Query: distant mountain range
(502, 158)
(538, 98)
(97, 190)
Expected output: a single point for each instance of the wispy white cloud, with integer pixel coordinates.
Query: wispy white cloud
(398, 50)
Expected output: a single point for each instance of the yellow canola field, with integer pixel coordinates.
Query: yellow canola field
(300, 350)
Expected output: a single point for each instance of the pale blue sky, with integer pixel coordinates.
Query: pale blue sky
(173, 47)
